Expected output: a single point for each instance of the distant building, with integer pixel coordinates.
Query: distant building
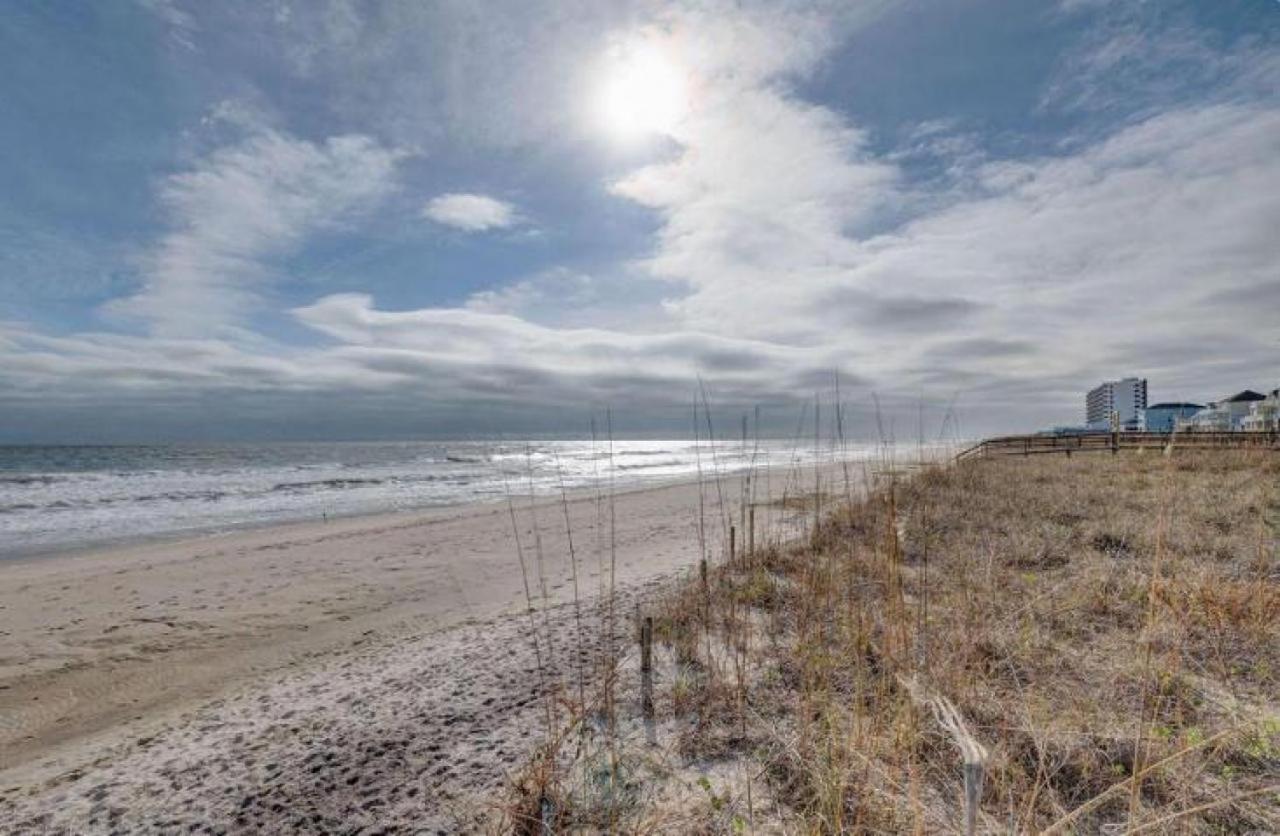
(1264, 415)
(1239, 406)
(1161, 417)
(1126, 399)
(1224, 416)
(1213, 418)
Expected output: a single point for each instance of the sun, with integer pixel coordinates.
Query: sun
(643, 91)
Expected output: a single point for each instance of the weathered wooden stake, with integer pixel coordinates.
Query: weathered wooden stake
(646, 679)
(733, 540)
(546, 815)
(751, 530)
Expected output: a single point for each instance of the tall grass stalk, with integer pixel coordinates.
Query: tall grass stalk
(611, 674)
(579, 662)
(540, 562)
(1149, 700)
(529, 607)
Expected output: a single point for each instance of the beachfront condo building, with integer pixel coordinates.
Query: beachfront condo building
(1264, 415)
(1162, 417)
(1227, 415)
(1126, 399)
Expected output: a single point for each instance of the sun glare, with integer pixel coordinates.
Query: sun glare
(643, 92)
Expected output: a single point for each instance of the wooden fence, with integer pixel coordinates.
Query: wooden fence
(1031, 445)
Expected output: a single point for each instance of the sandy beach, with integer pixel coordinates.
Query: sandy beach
(366, 664)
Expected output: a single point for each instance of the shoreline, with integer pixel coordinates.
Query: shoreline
(109, 548)
(110, 545)
(84, 503)
(101, 644)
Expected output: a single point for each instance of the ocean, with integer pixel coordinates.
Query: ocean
(58, 498)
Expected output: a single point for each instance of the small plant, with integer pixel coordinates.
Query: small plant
(717, 801)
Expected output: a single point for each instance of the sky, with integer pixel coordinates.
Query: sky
(397, 218)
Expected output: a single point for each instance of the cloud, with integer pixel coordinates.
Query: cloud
(446, 355)
(181, 25)
(504, 75)
(789, 241)
(758, 207)
(116, 365)
(236, 209)
(871, 312)
(1138, 58)
(1253, 303)
(777, 222)
(498, 351)
(470, 212)
(549, 292)
(616, 299)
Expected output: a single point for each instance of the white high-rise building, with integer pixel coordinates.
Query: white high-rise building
(1126, 399)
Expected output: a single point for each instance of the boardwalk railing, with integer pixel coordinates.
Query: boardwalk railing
(1030, 445)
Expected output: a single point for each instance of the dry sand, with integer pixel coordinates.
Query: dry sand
(330, 676)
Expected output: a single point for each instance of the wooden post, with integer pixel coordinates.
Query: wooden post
(733, 542)
(646, 679)
(751, 530)
(546, 815)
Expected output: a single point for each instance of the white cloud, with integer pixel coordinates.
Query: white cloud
(239, 207)
(181, 24)
(758, 209)
(511, 75)
(445, 355)
(470, 212)
(1072, 267)
(1152, 250)
(1139, 58)
(785, 246)
(620, 300)
(499, 355)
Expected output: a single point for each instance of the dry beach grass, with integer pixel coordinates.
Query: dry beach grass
(1090, 644)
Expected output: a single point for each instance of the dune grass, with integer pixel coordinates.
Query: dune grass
(1008, 645)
